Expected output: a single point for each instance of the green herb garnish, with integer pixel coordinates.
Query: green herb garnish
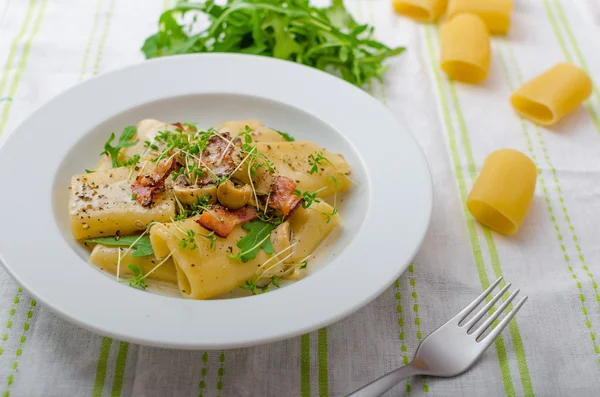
(286, 136)
(138, 280)
(308, 197)
(141, 245)
(324, 38)
(125, 141)
(258, 237)
(189, 241)
(256, 289)
(316, 160)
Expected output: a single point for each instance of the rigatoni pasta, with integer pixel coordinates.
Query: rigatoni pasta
(503, 191)
(494, 13)
(421, 10)
(547, 98)
(207, 211)
(465, 49)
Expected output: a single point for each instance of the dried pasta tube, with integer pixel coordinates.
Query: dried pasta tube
(421, 10)
(465, 49)
(494, 13)
(503, 191)
(548, 97)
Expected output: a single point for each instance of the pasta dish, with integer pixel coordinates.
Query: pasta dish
(208, 211)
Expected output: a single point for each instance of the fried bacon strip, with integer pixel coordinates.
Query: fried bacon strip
(222, 220)
(146, 186)
(221, 155)
(282, 196)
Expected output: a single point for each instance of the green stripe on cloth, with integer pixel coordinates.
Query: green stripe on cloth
(571, 37)
(495, 259)
(202, 384)
(402, 333)
(470, 223)
(221, 373)
(15, 365)
(558, 189)
(415, 297)
(305, 365)
(323, 353)
(23, 61)
(22, 65)
(567, 55)
(88, 46)
(101, 368)
(542, 144)
(15, 45)
(11, 314)
(117, 386)
(104, 37)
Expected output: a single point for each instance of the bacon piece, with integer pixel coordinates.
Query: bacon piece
(221, 156)
(179, 125)
(146, 186)
(282, 196)
(222, 220)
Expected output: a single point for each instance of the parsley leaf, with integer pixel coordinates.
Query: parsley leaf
(286, 136)
(258, 237)
(142, 247)
(327, 38)
(125, 140)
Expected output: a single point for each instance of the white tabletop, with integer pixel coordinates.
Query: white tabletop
(552, 348)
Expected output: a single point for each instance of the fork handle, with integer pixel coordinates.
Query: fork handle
(386, 382)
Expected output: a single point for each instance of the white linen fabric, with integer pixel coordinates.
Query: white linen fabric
(552, 349)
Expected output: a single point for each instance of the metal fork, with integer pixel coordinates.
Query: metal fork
(454, 347)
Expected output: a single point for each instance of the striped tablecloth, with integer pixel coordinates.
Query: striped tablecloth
(47, 46)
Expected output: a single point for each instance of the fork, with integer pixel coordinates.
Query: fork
(454, 347)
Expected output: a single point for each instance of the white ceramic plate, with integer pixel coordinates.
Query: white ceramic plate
(384, 219)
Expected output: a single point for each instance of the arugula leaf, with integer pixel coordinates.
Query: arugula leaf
(324, 38)
(142, 247)
(125, 140)
(286, 136)
(257, 238)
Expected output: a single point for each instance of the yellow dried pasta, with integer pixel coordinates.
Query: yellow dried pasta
(503, 191)
(548, 97)
(421, 10)
(465, 49)
(494, 13)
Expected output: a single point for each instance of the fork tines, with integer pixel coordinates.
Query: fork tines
(479, 331)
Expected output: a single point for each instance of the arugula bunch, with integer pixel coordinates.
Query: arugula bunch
(324, 38)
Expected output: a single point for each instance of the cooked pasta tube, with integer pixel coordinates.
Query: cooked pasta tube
(494, 13)
(548, 97)
(107, 259)
(100, 205)
(503, 191)
(421, 10)
(465, 49)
